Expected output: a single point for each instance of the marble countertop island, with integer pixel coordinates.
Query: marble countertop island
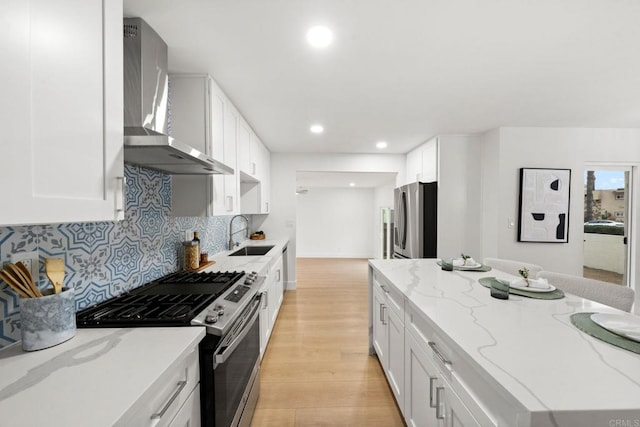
(526, 348)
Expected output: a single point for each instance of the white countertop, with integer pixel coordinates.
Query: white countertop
(90, 380)
(528, 346)
(258, 263)
(94, 378)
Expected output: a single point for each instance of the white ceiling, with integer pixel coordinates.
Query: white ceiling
(406, 70)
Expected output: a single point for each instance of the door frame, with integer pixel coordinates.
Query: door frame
(631, 207)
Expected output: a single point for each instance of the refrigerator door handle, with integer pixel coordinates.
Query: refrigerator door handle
(404, 219)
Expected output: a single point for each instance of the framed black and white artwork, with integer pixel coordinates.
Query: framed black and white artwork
(544, 205)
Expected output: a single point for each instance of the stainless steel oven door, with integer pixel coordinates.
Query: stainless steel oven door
(230, 371)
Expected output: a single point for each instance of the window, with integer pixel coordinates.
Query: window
(619, 214)
(619, 196)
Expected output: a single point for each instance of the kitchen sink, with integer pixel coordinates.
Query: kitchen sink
(252, 251)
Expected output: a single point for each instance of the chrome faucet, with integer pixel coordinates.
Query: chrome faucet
(233, 244)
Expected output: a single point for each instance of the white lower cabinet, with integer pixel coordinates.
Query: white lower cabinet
(433, 385)
(167, 397)
(435, 393)
(379, 325)
(388, 336)
(277, 285)
(189, 414)
(421, 380)
(272, 297)
(265, 321)
(455, 413)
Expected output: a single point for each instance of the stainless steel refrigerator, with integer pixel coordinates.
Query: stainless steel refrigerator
(416, 220)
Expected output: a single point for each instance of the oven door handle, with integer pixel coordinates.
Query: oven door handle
(221, 356)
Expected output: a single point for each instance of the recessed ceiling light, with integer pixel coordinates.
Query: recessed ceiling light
(316, 129)
(381, 144)
(352, 184)
(319, 36)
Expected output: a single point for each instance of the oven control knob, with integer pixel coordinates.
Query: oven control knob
(211, 319)
(248, 281)
(219, 309)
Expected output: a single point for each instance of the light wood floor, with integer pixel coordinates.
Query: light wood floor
(317, 370)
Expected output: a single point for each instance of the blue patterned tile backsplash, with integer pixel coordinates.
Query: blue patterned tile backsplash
(105, 259)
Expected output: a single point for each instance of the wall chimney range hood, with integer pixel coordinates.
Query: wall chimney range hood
(146, 92)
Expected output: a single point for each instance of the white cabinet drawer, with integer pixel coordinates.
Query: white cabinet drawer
(394, 299)
(161, 402)
(189, 414)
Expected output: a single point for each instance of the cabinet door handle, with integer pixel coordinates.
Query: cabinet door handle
(278, 279)
(439, 414)
(382, 309)
(435, 349)
(229, 203)
(120, 201)
(179, 386)
(432, 404)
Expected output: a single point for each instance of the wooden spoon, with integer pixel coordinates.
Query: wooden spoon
(55, 272)
(13, 271)
(24, 279)
(27, 274)
(15, 285)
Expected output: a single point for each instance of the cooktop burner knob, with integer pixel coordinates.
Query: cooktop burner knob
(248, 281)
(219, 309)
(211, 319)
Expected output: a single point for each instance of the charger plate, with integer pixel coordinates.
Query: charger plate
(555, 294)
(583, 322)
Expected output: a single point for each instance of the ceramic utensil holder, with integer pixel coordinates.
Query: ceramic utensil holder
(48, 320)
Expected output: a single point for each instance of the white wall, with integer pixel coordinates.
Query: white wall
(459, 196)
(550, 148)
(281, 222)
(336, 223)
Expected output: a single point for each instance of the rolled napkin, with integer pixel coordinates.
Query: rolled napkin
(459, 262)
(533, 283)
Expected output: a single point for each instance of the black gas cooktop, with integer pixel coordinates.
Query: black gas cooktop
(172, 300)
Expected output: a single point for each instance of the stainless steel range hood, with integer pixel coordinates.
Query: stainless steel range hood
(146, 92)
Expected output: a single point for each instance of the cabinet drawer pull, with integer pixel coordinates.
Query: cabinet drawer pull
(432, 404)
(180, 385)
(438, 353)
(439, 403)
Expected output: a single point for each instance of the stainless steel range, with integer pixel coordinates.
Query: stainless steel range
(227, 304)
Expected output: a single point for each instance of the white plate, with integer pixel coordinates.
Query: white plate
(626, 325)
(459, 263)
(520, 284)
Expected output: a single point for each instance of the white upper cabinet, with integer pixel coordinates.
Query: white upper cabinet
(255, 172)
(422, 163)
(246, 153)
(203, 117)
(265, 180)
(62, 104)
